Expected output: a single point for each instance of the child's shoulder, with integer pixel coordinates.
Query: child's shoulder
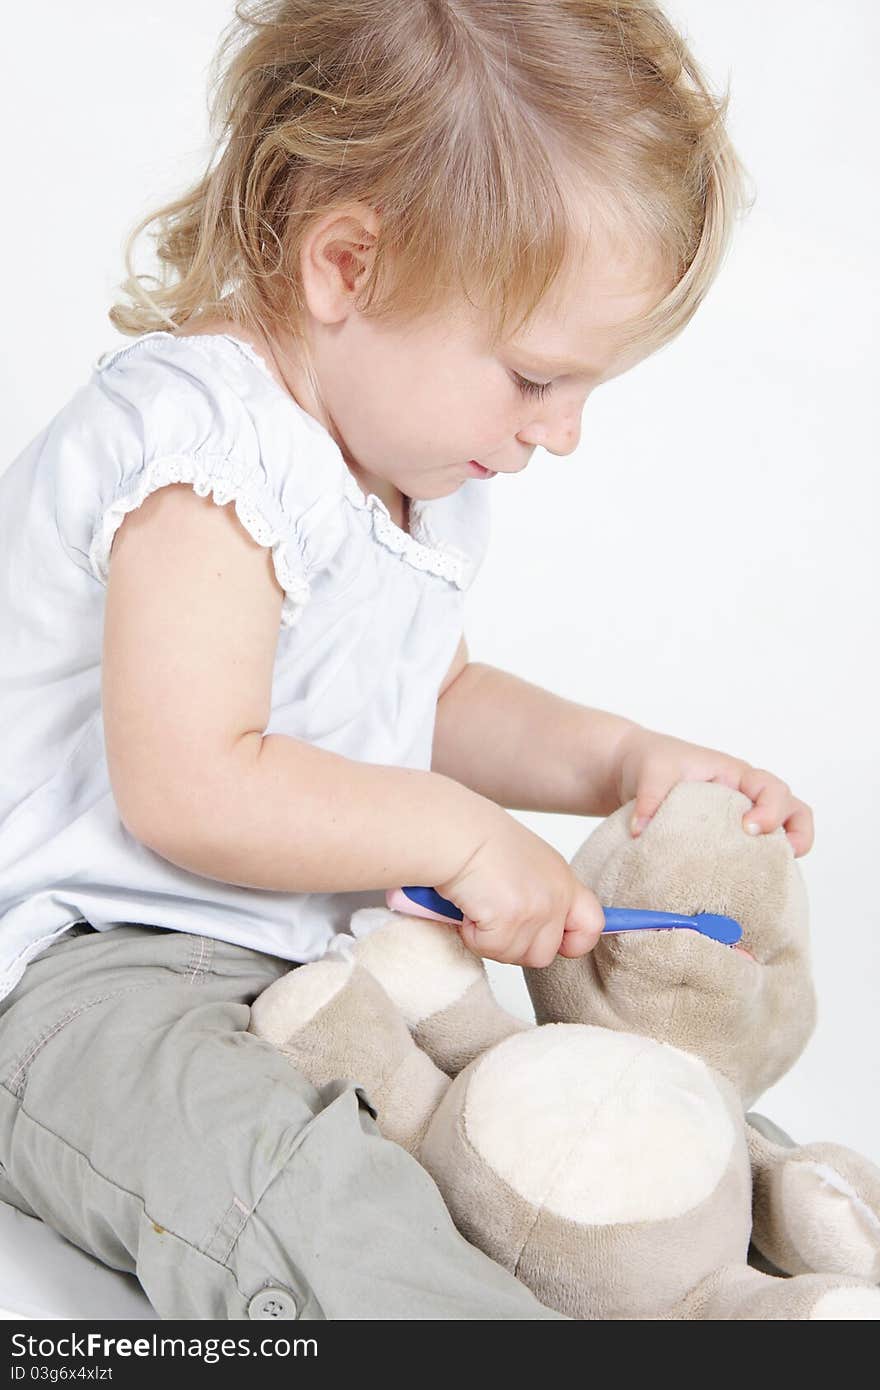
(168, 408)
(194, 358)
(164, 396)
(218, 327)
(216, 370)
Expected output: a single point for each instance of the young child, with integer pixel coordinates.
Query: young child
(236, 701)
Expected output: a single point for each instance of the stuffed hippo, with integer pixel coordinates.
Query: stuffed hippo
(604, 1153)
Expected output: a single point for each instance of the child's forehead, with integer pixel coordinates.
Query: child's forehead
(577, 328)
(614, 270)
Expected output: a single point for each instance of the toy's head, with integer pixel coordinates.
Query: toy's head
(748, 1018)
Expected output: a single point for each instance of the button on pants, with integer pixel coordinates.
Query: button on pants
(142, 1121)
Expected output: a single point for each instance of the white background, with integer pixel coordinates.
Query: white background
(707, 562)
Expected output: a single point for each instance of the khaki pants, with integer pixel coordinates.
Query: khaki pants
(140, 1119)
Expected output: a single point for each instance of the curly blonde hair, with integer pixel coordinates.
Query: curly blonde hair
(464, 123)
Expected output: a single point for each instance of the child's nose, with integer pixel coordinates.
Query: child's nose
(565, 441)
(561, 438)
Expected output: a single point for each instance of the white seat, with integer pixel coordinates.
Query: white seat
(42, 1275)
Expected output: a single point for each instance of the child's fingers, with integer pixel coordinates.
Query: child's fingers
(654, 787)
(799, 829)
(775, 806)
(584, 924)
(772, 800)
(576, 943)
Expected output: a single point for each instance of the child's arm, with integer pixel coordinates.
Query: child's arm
(524, 747)
(191, 627)
(530, 750)
(287, 815)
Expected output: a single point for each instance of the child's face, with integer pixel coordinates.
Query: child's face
(412, 406)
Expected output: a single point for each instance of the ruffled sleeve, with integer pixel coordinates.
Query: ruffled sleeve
(164, 412)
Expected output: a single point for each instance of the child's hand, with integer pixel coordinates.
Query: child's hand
(650, 764)
(521, 901)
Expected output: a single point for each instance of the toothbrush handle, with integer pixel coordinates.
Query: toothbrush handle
(427, 902)
(637, 919)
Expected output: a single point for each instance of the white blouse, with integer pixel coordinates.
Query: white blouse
(370, 622)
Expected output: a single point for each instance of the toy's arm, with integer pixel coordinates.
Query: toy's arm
(736, 1293)
(336, 1025)
(439, 986)
(816, 1207)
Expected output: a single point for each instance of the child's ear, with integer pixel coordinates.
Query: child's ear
(337, 255)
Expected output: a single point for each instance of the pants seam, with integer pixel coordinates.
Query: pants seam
(236, 1206)
(116, 1185)
(197, 972)
(268, 1282)
(240, 1213)
(302, 1136)
(201, 959)
(36, 1045)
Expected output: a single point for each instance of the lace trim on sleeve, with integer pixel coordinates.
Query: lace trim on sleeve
(439, 557)
(185, 468)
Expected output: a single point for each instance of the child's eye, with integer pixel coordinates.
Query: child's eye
(532, 388)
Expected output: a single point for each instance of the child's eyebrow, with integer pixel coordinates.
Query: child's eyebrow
(552, 365)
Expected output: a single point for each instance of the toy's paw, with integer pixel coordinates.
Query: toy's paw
(738, 1293)
(333, 1020)
(312, 1013)
(827, 1199)
(847, 1304)
(815, 1207)
(439, 986)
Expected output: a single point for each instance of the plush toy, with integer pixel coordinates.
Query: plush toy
(604, 1153)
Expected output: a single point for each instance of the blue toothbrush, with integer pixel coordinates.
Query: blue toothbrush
(427, 902)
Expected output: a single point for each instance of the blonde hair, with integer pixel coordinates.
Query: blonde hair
(465, 123)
